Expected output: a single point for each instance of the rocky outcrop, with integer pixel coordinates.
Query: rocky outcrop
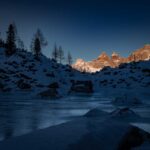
(49, 93)
(123, 113)
(81, 87)
(133, 138)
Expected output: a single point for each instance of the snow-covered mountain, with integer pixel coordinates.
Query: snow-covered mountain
(114, 61)
(128, 75)
(22, 71)
(44, 77)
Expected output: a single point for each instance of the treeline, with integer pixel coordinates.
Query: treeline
(13, 43)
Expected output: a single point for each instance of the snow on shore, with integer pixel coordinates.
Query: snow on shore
(88, 132)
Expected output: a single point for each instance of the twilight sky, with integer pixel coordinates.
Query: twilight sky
(83, 27)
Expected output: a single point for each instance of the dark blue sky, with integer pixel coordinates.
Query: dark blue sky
(83, 27)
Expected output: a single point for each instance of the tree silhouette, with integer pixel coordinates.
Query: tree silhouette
(55, 53)
(60, 54)
(10, 42)
(2, 43)
(41, 37)
(69, 59)
(37, 43)
(37, 47)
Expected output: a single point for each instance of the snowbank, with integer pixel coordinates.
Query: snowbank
(90, 133)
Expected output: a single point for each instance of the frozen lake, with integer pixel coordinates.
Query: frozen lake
(23, 113)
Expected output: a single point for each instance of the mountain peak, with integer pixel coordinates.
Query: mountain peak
(103, 56)
(80, 61)
(114, 54)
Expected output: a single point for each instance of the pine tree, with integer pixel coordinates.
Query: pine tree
(10, 42)
(60, 54)
(2, 43)
(55, 53)
(41, 37)
(69, 59)
(37, 47)
(37, 43)
(19, 42)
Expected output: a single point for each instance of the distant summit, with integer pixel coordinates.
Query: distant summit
(115, 60)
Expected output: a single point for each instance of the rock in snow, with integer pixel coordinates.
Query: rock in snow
(50, 93)
(127, 100)
(96, 112)
(82, 87)
(123, 113)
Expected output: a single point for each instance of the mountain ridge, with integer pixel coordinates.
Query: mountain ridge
(104, 60)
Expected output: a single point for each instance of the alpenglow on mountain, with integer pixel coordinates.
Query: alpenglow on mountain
(111, 61)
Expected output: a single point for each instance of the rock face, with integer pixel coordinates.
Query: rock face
(114, 61)
(117, 59)
(141, 54)
(84, 66)
(80, 63)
